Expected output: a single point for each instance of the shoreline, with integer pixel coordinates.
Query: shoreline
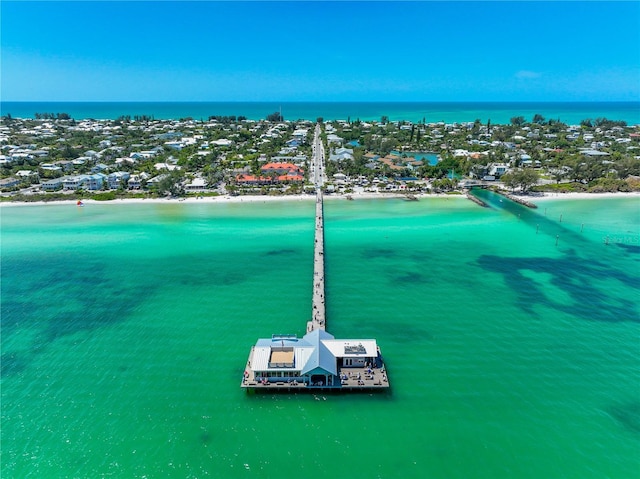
(223, 199)
(570, 112)
(576, 196)
(355, 196)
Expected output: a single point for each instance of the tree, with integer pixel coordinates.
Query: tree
(509, 180)
(444, 184)
(527, 178)
(476, 127)
(275, 117)
(171, 184)
(538, 118)
(523, 178)
(517, 120)
(558, 174)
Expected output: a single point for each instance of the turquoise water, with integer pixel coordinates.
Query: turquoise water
(497, 112)
(430, 157)
(125, 330)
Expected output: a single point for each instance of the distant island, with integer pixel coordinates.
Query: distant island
(56, 157)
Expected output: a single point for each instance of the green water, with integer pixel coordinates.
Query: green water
(125, 330)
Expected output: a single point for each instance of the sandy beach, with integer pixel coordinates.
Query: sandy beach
(222, 199)
(264, 199)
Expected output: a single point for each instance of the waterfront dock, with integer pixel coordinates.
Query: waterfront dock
(317, 360)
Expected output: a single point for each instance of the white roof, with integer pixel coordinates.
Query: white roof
(261, 355)
(337, 347)
(198, 182)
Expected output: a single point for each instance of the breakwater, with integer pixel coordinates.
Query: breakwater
(476, 200)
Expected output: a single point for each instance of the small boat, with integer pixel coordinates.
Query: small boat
(80, 203)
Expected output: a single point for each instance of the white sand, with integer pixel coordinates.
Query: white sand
(263, 199)
(220, 199)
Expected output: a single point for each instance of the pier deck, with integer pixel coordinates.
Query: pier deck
(351, 379)
(318, 312)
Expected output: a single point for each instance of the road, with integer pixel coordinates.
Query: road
(317, 165)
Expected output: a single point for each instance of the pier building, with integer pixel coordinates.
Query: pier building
(317, 360)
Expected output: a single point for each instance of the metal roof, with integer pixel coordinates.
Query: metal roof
(321, 357)
(316, 350)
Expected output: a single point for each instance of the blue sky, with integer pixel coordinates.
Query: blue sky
(320, 51)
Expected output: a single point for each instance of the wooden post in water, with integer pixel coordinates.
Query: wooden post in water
(560, 217)
(557, 236)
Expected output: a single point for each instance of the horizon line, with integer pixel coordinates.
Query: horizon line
(318, 101)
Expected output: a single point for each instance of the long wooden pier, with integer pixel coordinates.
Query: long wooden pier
(318, 360)
(318, 311)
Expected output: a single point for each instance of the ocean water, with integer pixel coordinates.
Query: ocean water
(510, 336)
(497, 112)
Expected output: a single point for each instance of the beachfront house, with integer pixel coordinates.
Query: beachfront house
(136, 182)
(196, 185)
(117, 179)
(86, 182)
(52, 185)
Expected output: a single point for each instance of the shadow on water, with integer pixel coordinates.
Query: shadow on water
(572, 274)
(631, 248)
(279, 252)
(572, 277)
(204, 437)
(12, 363)
(409, 278)
(373, 253)
(628, 415)
(56, 296)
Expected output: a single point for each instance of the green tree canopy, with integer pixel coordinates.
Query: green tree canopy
(524, 178)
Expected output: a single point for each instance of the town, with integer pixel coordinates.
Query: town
(54, 157)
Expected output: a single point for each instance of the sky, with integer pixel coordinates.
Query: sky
(320, 51)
